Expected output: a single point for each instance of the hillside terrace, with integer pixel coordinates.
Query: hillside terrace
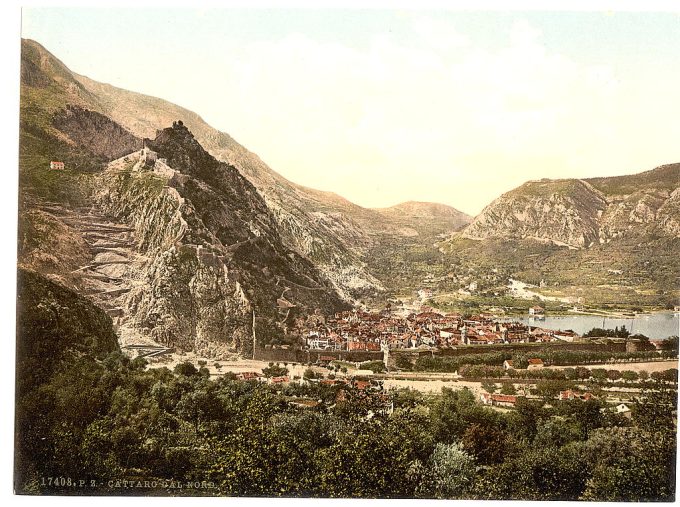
(374, 331)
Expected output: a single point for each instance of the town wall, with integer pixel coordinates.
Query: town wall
(529, 347)
(312, 356)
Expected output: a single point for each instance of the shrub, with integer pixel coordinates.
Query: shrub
(186, 368)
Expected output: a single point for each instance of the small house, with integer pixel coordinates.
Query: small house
(504, 400)
(534, 364)
(248, 375)
(565, 336)
(56, 166)
(501, 400)
(507, 364)
(623, 409)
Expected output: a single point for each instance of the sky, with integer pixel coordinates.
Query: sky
(385, 106)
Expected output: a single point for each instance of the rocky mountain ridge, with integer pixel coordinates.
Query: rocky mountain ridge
(329, 230)
(579, 213)
(188, 257)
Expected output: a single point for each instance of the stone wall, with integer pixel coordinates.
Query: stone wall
(312, 356)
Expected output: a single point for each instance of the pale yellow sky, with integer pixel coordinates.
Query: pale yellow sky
(388, 106)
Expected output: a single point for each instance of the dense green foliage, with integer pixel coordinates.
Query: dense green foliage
(550, 356)
(275, 370)
(374, 366)
(109, 418)
(613, 333)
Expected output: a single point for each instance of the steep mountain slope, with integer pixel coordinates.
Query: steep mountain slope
(622, 235)
(188, 256)
(62, 339)
(218, 272)
(332, 232)
(580, 213)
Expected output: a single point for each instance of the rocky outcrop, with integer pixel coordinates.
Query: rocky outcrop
(580, 213)
(668, 215)
(216, 262)
(565, 212)
(102, 136)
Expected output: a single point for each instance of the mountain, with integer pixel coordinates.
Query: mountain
(218, 271)
(579, 213)
(604, 242)
(184, 252)
(329, 230)
(203, 249)
(426, 219)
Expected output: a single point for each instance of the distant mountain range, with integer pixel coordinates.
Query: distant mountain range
(211, 247)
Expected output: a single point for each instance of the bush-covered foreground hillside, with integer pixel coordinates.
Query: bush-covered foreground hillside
(90, 421)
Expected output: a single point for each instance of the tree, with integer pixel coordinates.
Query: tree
(524, 421)
(535, 473)
(486, 443)
(489, 387)
(310, 374)
(520, 361)
(551, 388)
(407, 398)
(670, 375)
(508, 388)
(274, 370)
(449, 473)
(653, 408)
(403, 363)
(670, 345)
(449, 414)
(629, 464)
(582, 372)
(555, 433)
(586, 414)
(374, 366)
(186, 368)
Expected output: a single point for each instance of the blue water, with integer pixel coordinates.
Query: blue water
(655, 326)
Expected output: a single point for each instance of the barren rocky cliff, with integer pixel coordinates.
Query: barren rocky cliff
(177, 247)
(580, 213)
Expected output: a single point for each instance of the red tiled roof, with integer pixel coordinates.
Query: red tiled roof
(361, 384)
(506, 398)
